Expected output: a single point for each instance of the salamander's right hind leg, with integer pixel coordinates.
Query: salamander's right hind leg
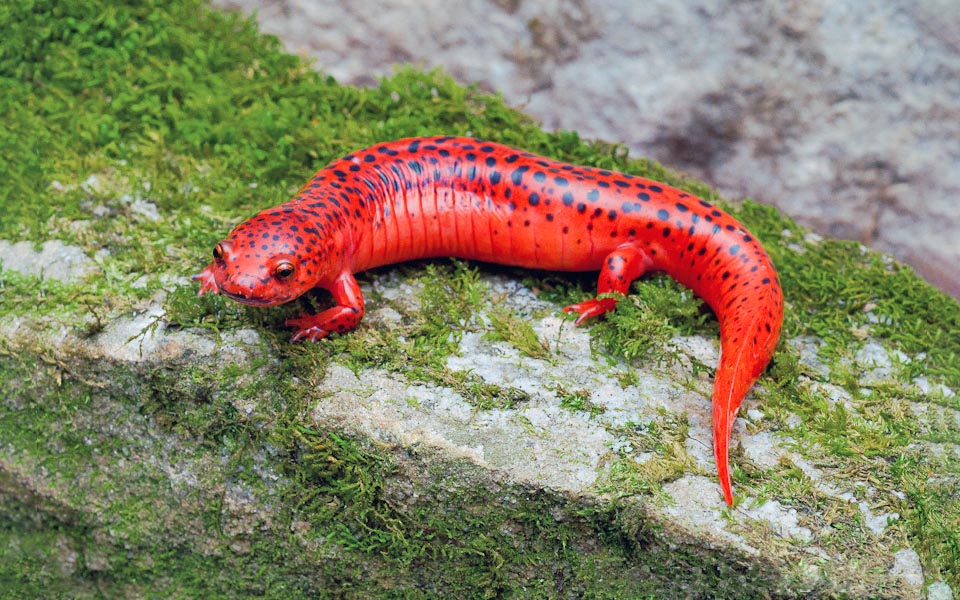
(620, 268)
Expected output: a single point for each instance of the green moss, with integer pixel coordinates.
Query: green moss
(417, 348)
(843, 293)
(579, 400)
(664, 437)
(646, 319)
(340, 519)
(448, 301)
(517, 332)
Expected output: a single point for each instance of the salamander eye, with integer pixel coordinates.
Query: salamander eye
(284, 270)
(218, 252)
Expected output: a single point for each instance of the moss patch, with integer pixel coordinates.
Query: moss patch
(140, 504)
(517, 332)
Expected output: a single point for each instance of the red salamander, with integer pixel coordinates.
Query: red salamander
(450, 196)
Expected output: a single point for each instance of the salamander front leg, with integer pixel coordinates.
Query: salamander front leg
(342, 317)
(620, 268)
(208, 283)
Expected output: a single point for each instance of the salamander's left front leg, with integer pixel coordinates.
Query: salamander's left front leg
(342, 317)
(620, 268)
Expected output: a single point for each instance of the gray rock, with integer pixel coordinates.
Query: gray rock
(54, 260)
(434, 433)
(907, 566)
(844, 114)
(939, 591)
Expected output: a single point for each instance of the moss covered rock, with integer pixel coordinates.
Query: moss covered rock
(466, 440)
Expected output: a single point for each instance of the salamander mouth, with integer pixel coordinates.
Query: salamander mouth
(250, 301)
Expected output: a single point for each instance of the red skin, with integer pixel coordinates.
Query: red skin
(430, 197)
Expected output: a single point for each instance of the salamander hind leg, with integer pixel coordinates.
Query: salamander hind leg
(620, 268)
(343, 317)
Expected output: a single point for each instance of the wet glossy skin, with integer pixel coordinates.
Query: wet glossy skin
(428, 197)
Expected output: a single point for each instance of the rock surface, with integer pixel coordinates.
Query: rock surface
(844, 114)
(622, 430)
(54, 260)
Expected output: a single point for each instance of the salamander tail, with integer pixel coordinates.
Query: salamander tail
(745, 349)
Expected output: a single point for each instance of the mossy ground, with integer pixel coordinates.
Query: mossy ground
(105, 105)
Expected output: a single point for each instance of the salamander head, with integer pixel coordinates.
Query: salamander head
(270, 259)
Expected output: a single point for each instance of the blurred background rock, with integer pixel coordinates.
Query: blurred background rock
(843, 113)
